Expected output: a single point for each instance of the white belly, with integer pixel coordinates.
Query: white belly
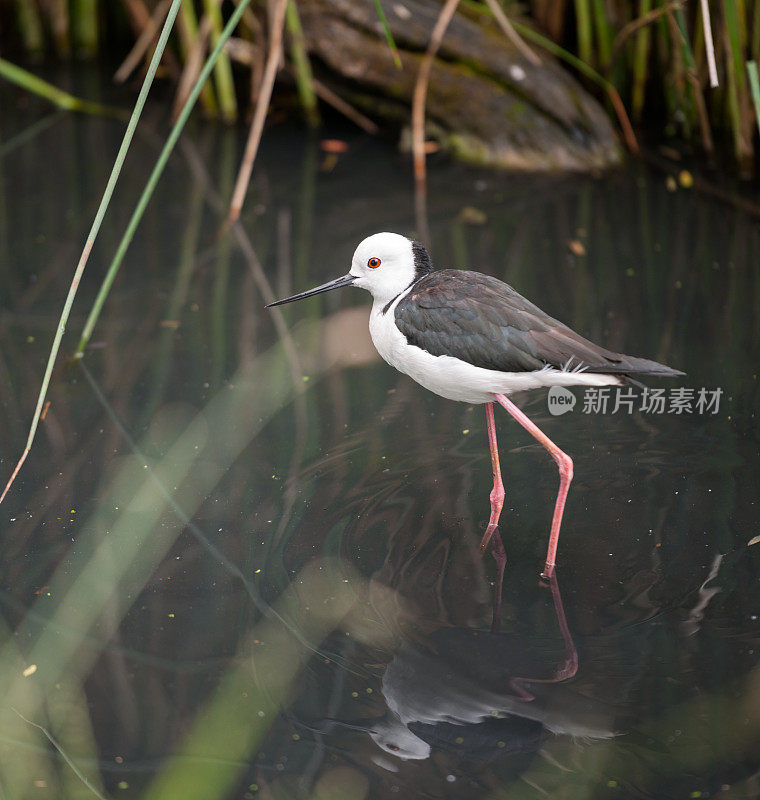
(457, 380)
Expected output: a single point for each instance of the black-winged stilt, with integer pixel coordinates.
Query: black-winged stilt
(470, 337)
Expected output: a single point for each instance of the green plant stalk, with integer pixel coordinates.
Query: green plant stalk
(668, 58)
(58, 97)
(736, 38)
(736, 81)
(85, 27)
(188, 21)
(693, 74)
(225, 86)
(604, 32)
(689, 100)
(30, 24)
(388, 35)
(304, 80)
(755, 33)
(583, 27)
(754, 83)
(686, 50)
(106, 199)
(640, 58)
(698, 46)
(155, 175)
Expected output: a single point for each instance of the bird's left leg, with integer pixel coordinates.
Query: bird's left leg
(497, 493)
(565, 464)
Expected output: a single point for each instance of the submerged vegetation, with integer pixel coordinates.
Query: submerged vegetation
(680, 69)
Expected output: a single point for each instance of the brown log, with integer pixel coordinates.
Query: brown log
(487, 102)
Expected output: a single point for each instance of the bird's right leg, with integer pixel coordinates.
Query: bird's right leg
(565, 464)
(497, 493)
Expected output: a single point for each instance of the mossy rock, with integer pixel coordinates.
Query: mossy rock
(486, 102)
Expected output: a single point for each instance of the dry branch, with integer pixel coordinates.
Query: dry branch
(262, 106)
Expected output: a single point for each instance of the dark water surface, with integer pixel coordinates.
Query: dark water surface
(242, 558)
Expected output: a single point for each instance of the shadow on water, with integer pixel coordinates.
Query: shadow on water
(242, 559)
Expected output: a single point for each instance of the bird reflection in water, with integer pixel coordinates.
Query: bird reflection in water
(482, 695)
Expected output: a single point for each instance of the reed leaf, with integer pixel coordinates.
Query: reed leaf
(29, 81)
(84, 21)
(187, 24)
(388, 35)
(302, 67)
(30, 25)
(754, 82)
(737, 82)
(106, 199)
(155, 175)
(640, 62)
(604, 33)
(584, 30)
(225, 86)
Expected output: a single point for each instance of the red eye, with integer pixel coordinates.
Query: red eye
(373, 263)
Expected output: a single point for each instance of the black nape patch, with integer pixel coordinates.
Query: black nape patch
(422, 266)
(422, 263)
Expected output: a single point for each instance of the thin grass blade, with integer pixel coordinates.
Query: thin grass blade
(155, 175)
(106, 199)
(388, 35)
(754, 83)
(301, 64)
(29, 81)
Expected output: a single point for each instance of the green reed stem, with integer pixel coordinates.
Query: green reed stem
(736, 38)
(155, 175)
(188, 26)
(584, 31)
(754, 83)
(106, 199)
(304, 79)
(84, 21)
(737, 85)
(640, 60)
(388, 35)
(58, 97)
(225, 86)
(604, 33)
(30, 25)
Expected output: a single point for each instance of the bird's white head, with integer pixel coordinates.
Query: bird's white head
(384, 264)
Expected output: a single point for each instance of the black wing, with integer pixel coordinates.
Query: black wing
(485, 322)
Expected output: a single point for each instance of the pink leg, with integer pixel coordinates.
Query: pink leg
(565, 464)
(497, 493)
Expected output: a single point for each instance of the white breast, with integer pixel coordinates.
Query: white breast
(455, 379)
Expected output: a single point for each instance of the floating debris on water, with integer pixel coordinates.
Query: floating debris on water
(576, 247)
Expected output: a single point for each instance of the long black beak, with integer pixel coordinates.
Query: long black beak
(346, 280)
